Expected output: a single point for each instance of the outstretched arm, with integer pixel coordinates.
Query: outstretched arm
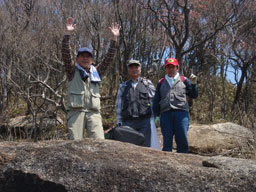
(66, 49)
(70, 26)
(115, 30)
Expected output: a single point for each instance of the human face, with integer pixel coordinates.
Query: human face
(85, 60)
(171, 70)
(134, 71)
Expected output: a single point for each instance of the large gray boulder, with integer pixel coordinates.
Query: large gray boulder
(104, 165)
(224, 138)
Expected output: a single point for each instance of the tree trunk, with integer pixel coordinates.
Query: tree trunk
(239, 87)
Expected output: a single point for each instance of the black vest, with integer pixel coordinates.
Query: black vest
(136, 102)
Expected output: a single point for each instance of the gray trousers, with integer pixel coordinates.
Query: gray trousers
(78, 122)
(141, 125)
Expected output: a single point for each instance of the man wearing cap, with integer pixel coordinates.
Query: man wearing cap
(171, 104)
(83, 105)
(134, 101)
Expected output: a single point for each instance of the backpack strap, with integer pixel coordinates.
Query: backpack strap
(182, 78)
(161, 80)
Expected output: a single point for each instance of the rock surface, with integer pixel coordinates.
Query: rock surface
(226, 139)
(104, 165)
(222, 138)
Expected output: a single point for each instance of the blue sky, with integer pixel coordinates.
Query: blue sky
(231, 75)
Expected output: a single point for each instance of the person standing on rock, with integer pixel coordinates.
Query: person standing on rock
(83, 105)
(170, 102)
(134, 103)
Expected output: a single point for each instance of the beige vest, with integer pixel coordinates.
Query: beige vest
(83, 96)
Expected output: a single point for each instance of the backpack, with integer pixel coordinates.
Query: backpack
(183, 79)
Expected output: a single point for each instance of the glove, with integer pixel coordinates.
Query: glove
(157, 121)
(193, 79)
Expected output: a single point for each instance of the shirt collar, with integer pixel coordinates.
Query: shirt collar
(172, 78)
(135, 81)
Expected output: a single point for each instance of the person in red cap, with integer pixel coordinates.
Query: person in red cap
(170, 103)
(83, 105)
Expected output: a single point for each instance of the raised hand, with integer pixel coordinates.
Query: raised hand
(193, 79)
(70, 26)
(115, 30)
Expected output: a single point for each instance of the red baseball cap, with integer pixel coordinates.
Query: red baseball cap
(171, 61)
